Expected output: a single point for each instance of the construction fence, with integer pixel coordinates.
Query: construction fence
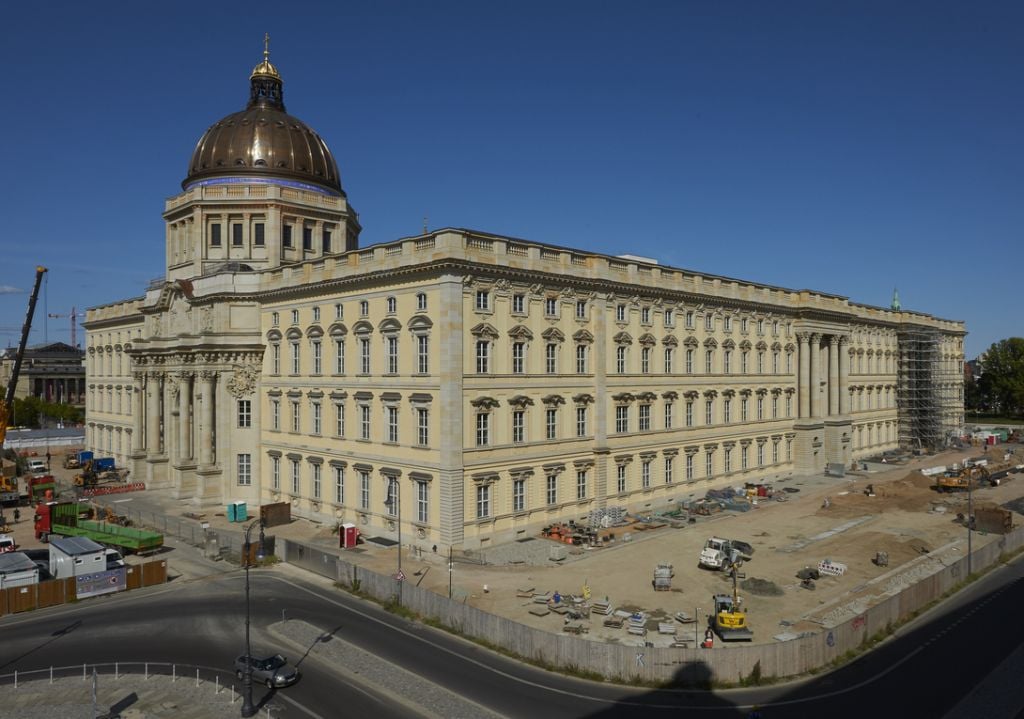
(214, 543)
(655, 664)
(60, 591)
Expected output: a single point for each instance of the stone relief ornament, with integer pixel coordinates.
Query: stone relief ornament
(206, 319)
(243, 381)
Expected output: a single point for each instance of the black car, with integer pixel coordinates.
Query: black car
(273, 671)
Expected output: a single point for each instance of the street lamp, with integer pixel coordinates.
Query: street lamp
(248, 709)
(394, 505)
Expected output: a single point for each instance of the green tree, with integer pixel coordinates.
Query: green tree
(1002, 376)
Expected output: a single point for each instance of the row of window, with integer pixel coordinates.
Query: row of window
(364, 415)
(339, 310)
(552, 307)
(338, 362)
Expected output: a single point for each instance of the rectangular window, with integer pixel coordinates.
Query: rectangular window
(215, 235)
(422, 502)
(483, 501)
(275, 473)
(275, 414)
(775, 362)
(364, 308)
(551, 307)
(364, 490)
(244, 413)
(760, 327)
(391, 497)
(296, 417)
(307, 238)
(552, 489)
(727, 362)
(364, 355)
(423, 354)
(581, 484)
(483, 429)
(421, 302)
(276, 359)
(689, 413)
(245, 469)
(689, 320)
(728, 460)
(743, 325)
(519, 304)
(727, 323)
(581, 359)
(709, 322)
(518, 495)
(317, 481)
(669, 355)
(743, 410)
(775, 407)
(550, 358)
(789, 449)
(760, 362)
(422, 427)
(669, 461)
(318, 357)
(339, 485)
(622, 418)
(670, 317)
(392, 343)
(789, 406)
(518, 352)
(709, 359)
(709, 411)
(317, 418)
(789, 363)
(760, 454)
(620, 313)
(775, 451)
(518, 426)
(620, 478)
(581, 310)
(645, 360)
(669, 411)
(364, 421)
(581, 421)
(236, 234)
(620, 360)
(760, 407)
(744, 456)
(326, 241)
(296, 358)
(392, 423)
(483, 356)
(709, 458)
(689, 467)
(316, 314)
(339, 419)
(645, 474)
(483, 300)
(689, 361)
(727, 410)
(551, 423)
(392, 305)
(744, 356)
(286, 235)
(339, 356)
(645, 315)
(645, 417)
(258, 235)
(295, 476)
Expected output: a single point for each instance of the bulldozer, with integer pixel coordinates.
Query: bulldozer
(729, 621)
(963, 479)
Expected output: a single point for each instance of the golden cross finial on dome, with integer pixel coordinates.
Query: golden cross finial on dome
(266, 46)
(265, 68)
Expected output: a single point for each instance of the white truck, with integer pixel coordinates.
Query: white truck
(721, 553)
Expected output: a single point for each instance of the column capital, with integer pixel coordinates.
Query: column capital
(803, 337)
(815, 337)
(833, 340)
(208, 374)
(155, 374)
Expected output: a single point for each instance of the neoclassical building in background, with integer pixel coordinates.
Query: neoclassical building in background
(469, 386)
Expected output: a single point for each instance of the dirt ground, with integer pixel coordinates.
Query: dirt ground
(906, 518)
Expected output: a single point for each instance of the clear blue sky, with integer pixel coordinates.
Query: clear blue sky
(770, 141)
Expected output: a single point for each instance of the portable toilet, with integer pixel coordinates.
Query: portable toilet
(349, 536)
(237, 511)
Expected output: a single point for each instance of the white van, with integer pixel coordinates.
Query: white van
(36, 466)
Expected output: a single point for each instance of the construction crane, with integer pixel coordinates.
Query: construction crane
(7, 402)
(74, 315)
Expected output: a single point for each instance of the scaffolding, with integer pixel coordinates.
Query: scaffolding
(929, 396)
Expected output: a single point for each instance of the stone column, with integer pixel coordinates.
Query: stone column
(833, 375)
(804, 381)
(815, 384)
(138, 413)
(153, 413)
(209, 382)
(844, 375)
(184, 416)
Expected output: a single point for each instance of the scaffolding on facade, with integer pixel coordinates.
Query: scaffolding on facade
(927, 394)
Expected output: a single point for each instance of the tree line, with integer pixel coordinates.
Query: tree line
(998, 385)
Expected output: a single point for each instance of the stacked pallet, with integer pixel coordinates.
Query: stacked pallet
(832, 569)
(637, 624)
(601, 606)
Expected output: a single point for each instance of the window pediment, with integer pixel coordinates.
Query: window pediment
(583, 336)
(362, 327)
(520, 332)
(553, 400)
(314, 331)
(484, 402)
(623, 338)
(485, 331)
(670, 341)
(553, 334)
(647, 340)
(520, 401)
(691, 342)
(338, 329)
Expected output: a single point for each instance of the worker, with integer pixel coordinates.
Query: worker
(709, 639)
(17, 515)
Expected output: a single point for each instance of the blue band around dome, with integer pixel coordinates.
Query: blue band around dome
(262, 181)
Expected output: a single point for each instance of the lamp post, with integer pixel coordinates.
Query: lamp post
(394, 504)
(248, 709)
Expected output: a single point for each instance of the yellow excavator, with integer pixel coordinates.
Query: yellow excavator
(729, 621)
(959, 481)
(9, 485)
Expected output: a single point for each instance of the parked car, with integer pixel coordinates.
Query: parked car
(273, 671)
(36, 466)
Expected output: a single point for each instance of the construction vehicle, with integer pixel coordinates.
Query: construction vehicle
(960, 480)
(99, 471)
(72, 519)
(729, 621)
(9, 485)
(71, 461)
(721, 554)
(37, 487)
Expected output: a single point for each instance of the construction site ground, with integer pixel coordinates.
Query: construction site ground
(907, 519)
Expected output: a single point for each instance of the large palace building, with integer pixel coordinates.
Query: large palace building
(466, 388)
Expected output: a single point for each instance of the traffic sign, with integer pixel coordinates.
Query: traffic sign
(400, 576)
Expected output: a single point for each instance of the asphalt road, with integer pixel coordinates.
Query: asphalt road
(923, 672)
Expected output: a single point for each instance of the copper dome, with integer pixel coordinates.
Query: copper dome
(264, 141)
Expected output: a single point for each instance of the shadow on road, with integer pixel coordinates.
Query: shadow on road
(322, 639)
(54, 636)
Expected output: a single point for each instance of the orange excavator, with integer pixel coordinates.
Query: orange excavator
(9, 485)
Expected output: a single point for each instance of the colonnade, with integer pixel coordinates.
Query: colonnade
(836, 401)
(167, 403)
